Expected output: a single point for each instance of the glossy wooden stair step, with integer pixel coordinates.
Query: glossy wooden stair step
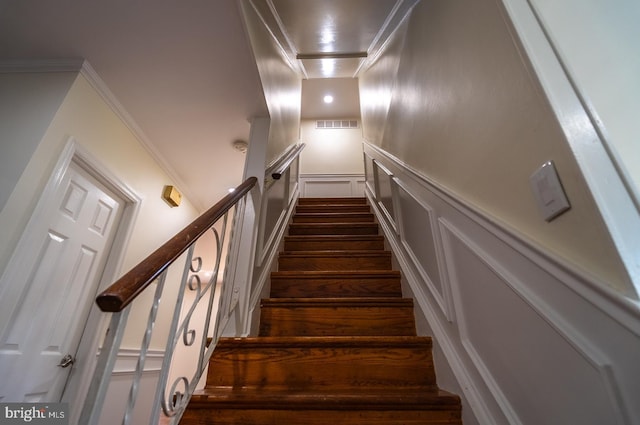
(333, 242)
(331, 201)
(333, 217)
(335, 260)
(256, 407)
(333, 229)
(331, 208)
(337, 317)
(350, 363)
(337, 340)
(307, 284)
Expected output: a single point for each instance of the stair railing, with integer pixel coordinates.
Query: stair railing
(153, 275)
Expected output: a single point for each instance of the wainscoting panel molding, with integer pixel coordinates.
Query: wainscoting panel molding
(331, 185)
(536, 336)
(384, 185)
(118, 392)
(529, 339)
(369, 174)
(272, 212)
(422, 244)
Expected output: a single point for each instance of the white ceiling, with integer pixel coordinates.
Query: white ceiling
(184, 71)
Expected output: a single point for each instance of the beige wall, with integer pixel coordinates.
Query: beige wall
(598, 43)
(27, 105)
(331, 151)
(86, 117)
(282, 86)
(465, 110)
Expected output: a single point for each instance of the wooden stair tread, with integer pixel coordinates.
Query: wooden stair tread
(336, 341)
(337, 253)
(372, 399)
(347, 283)
(312, 363)
(345, 200)
(333, 228)
(338, 302)
(322, 225)
(333, 242)
(333, 217)
(335, 260)
(332, 208)
(335, 274)
(337, 316)
(334, 214)
(334, 238)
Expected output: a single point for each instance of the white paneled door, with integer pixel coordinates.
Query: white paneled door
(46, 296)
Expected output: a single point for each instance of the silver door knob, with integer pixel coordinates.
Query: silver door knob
(67, 361)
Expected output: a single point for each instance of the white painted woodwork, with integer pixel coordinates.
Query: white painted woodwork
(331, 185)
(50, 295)
(454, 96)
(596, 43)
(282, 85)
(595, 107)
(118, 393)
(527, 338)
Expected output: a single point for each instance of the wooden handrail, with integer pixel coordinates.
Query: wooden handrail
(121, 293)
(280, 167)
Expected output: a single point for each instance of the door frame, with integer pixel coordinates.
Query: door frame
(73, 152)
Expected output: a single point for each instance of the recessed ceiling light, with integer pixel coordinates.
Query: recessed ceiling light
(328, 99)
(232, 189)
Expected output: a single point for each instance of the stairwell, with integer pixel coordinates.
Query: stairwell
(337, 342)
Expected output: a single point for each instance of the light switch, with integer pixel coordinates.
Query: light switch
(548, 191)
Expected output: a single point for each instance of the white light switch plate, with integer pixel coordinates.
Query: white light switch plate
(548, 191)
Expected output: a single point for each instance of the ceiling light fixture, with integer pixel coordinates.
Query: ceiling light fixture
(328, 99)
(241, 146)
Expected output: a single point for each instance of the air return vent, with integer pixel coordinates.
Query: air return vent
(336, 124)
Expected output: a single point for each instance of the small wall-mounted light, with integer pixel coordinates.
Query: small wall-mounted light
(172, 196)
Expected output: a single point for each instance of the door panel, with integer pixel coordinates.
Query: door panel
(58, 284)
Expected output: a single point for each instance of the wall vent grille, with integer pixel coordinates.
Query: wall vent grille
(326, 124)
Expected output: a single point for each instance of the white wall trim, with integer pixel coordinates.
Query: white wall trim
(352, 183)
(400, 12)
(443, 299)
(569, 333)
(281, 39)
(586, 138)
(266, 241)
(480, 409)
(83, 67)
(127, 360)
(110, 99)
(41, 65)
(624, 310)
(388, 176)
(271, 254)
(570, 308)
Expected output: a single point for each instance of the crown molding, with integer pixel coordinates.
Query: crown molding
(110, 99)
(41, 65)
(83, 67)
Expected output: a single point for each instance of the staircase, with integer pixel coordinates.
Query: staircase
(337, 342)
